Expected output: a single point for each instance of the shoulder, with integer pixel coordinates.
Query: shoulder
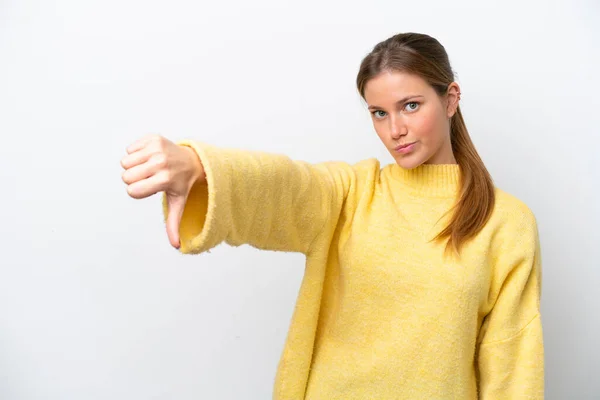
(349, 177)
(358, 166)
(512, 211)
(514, 226)
(514, 246)
(367, 165)
(364, 170)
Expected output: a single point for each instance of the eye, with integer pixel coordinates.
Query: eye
(412, 108)
(376, 115)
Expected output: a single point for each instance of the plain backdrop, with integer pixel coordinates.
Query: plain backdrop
(95, 304)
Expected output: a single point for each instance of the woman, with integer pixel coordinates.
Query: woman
(422, 280)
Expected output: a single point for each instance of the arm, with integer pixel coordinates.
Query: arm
(510, 357)
(265, 200)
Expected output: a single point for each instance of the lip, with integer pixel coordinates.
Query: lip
(405, 148)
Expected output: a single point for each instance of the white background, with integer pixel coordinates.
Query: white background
(95, 304)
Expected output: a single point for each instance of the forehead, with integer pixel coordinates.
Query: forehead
(390, 85)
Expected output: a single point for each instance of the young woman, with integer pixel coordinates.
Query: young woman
(422, 279)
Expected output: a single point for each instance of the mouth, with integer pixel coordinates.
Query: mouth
(405, 147)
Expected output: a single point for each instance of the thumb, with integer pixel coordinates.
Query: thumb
(176, 206)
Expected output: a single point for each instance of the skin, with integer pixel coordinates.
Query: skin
(155, 164)
(424, 118)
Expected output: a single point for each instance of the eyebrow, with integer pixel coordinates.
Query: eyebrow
(402, 100)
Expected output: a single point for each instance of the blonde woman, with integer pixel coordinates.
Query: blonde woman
(422, 279)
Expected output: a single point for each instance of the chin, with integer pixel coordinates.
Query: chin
(410, 161)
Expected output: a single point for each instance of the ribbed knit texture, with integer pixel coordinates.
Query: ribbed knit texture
(381, 313)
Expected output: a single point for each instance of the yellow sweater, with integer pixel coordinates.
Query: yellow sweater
(381, 314)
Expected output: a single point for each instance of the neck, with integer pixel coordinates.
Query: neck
(436, 180)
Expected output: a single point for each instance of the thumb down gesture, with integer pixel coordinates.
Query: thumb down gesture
(155, 164)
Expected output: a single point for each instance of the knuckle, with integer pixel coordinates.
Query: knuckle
(152, 140)
(162, 144)
(165, 178)
(160, 159)
(156, 147)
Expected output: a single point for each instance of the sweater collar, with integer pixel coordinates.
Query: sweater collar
(437, 180)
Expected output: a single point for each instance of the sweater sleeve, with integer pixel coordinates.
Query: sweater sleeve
(266, 200)
(510, 357)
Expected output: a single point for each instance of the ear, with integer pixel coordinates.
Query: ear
(453, 97)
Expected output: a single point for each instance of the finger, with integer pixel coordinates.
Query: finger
(176, 207)
(136, 158)
(140, 172)
(141, 143)
(147, 187)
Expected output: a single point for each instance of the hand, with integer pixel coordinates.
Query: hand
(155, 164)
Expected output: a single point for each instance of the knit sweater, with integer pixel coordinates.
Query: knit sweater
(381, 313)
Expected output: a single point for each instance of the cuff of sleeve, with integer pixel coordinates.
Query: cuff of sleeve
(204, 221)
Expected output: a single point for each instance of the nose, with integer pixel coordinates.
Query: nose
(397, 128)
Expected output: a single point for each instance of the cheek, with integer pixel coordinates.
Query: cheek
(429, 127)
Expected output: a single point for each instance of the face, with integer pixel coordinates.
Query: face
(406, 111)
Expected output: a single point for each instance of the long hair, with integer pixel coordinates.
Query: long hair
(423, 55)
